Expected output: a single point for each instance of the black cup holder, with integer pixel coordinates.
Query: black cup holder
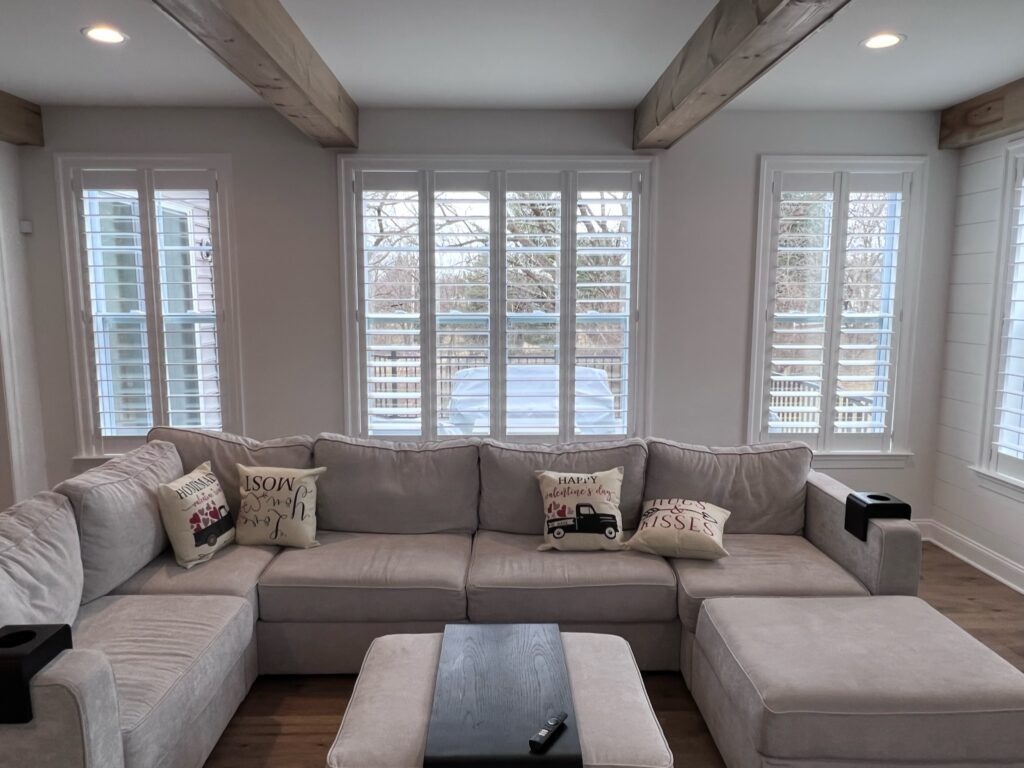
(861, 507)
(14, 639)
(24, 650)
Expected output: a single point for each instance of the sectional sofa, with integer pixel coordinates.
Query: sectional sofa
(413, 536)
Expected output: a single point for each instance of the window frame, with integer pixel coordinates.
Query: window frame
(898, 451)
(91, 444)
(349, 171)
(987, 465)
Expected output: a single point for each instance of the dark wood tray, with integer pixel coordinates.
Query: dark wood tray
(496, 685)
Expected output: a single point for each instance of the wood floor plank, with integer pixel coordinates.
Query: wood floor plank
(291, 722)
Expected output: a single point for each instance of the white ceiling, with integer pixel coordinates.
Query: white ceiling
(514, 53)
(569, 54)
(45, 58)
(954, 49)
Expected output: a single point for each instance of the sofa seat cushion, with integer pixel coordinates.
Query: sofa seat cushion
(509, 580)
(170, 655)
(857, 681)
(369, 577)
(761, 565)
(233, 571)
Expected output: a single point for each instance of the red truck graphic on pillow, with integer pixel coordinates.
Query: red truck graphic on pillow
(209, 523)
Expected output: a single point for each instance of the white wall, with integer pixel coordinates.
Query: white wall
(22, 451)
(286, 241)
(976, 522)
(706, 232)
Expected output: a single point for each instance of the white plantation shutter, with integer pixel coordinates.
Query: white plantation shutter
(832, 312)
(185, 210)
(1008, 433)
(603, 288)
(147, 242)
(514, 316)
(391, 302)
(533, 304)
(461, 269)
(111, 233)
(867, 308)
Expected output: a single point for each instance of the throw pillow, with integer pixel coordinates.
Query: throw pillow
(278, 506)
(681, 528)
(581, 511)
(196, 516)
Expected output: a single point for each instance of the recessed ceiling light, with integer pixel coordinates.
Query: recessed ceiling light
(883, 40)
(104, 33)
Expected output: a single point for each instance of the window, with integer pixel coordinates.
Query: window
(146, 257)
(1006, 453)
(832, 258)
(495, 302)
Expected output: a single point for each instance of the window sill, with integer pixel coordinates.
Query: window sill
(1001, 484)
(861, 460)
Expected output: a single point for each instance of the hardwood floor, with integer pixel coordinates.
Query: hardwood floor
(291, 722)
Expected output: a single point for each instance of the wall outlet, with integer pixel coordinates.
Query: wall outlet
(25, 226)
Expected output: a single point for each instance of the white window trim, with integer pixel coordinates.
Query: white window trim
(89, 442)
(985, 467)
(899, 454)
(348, 167)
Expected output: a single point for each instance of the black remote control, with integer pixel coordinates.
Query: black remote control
(542, 739)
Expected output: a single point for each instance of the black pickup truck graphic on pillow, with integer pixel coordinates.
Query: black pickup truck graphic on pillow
(586, 520)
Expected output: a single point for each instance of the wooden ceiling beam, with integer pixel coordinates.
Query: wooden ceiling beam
(260, 43)
(737, 43)
(997, 113)
(21, 122)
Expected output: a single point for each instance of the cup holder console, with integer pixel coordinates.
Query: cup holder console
(24, 650)
(861, 507)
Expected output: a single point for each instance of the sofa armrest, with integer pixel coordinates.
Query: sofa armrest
(888, 563)
(75, 719)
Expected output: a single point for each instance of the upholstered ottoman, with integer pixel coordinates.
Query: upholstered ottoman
(385, 724)
(865, 681)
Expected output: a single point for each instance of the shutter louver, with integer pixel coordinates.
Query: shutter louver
(1008, 435)
(390, 241)
(603, 301)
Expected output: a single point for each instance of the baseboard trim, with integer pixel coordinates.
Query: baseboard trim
(986, 560)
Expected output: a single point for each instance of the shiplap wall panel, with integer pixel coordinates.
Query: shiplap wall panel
(968, 387)
(973, 268)
(960, 502)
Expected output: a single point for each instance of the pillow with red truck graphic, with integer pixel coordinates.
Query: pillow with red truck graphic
(196, 516)
(680, 528)
(581, 511)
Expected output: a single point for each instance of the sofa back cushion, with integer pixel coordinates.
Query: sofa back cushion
(225, 452)
(40, 562)
(510, 499)
(118, 515)
(762, 486)
(379, 486)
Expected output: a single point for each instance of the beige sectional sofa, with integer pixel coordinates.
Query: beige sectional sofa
(413, 536)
